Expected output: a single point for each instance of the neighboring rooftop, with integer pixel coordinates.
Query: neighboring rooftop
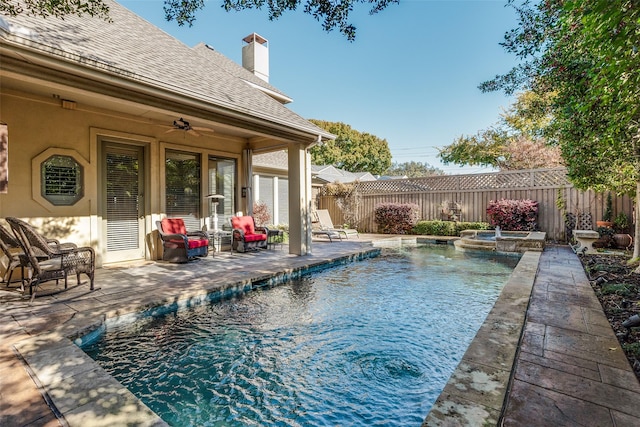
(277, 160)
(328, 174)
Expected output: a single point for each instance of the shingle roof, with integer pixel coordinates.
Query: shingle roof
(134, 49)
(236, 70)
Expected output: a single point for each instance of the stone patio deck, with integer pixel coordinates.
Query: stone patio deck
(569, 371)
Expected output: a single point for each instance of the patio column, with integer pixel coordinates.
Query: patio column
(247, 179)
(299, 200)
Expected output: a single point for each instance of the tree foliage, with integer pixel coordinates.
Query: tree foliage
(587, 53)
(517, 142)
(332, 14)
(56, 8)
(352, 150)
(412, 170)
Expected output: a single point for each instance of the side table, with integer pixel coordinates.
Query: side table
(218, 238)
(274, 237)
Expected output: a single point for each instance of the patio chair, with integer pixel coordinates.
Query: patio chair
(318, 231)
(180, 245)
(15, 256)
(324, 219)
(326, 233)
(246, 236)
(51, 260)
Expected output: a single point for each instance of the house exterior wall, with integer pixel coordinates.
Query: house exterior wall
(40, 127)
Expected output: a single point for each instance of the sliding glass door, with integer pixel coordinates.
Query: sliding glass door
(183, 195)
(222, 181)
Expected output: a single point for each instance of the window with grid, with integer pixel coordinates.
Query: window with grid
(62, 182)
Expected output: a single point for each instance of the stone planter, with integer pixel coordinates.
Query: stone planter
(623, 241)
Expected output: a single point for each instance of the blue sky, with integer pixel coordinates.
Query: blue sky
(410, 76)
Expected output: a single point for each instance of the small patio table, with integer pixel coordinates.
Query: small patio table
(274, 237)
(217, 238)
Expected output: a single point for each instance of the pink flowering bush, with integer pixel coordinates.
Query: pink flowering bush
(396, 218)
(515, 215)
(261, 214)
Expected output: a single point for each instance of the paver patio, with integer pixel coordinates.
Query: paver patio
(570, 370)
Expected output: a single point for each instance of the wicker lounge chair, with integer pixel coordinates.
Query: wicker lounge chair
(50, 260)
(324, 219)
(15, 256)
(180, 245)
(246, 236)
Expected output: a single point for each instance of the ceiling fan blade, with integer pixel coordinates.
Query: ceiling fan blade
(202, 129)
(193, 132)
(171, 130)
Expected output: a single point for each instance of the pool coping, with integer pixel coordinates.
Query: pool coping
(81, 393)
(476, 391)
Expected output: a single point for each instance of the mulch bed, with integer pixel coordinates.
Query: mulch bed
(618, 289)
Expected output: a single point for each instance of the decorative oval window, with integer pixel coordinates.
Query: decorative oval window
(62, 182)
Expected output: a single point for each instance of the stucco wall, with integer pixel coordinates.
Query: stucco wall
(40, 126)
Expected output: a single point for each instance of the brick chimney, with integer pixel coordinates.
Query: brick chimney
(255, 56)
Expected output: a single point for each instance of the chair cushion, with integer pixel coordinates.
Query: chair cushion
(254, 237)
(244, 223)
(198, 243)
(193, 243)
(173, 226)
(51, 264)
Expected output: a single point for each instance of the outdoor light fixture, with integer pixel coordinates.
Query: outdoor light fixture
(215, 199)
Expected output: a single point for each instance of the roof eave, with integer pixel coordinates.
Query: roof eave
(130, 84)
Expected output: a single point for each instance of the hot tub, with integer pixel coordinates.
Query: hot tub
(506, 241)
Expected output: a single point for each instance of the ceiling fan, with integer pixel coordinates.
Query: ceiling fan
(184, 125)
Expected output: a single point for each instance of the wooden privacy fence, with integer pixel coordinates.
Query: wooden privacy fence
(472, 194)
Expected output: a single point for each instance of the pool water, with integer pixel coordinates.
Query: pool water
(368, 343)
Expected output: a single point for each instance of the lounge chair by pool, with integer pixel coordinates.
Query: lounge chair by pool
(324, 219)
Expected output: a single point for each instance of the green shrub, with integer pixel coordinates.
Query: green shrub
(435, 228)
(285, 232)
(446, 228)
(633, 349)
(621, 289)
(606, 237)
(610, 268)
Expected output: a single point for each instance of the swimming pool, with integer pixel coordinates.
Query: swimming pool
(367, 343)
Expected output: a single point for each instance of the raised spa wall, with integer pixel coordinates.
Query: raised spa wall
(508, 241)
